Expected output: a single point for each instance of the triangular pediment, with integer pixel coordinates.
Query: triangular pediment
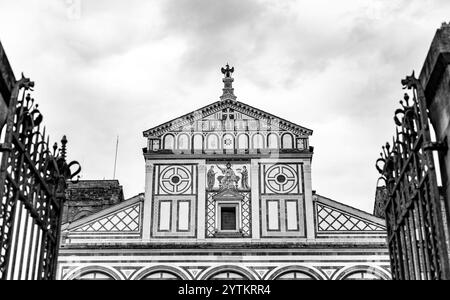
(214, 111)
(228, 194)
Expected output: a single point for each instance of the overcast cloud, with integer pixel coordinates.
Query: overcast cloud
(110, 67)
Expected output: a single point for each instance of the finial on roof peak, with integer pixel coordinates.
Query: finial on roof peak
(228, 90)
(227, 71)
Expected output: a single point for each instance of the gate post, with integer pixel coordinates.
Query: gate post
(435, 78)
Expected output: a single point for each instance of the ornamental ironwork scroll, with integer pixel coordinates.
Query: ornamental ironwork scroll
(33, 179)
(416, 215)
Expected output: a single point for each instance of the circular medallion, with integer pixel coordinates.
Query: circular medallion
(175, 180)
(281, 179)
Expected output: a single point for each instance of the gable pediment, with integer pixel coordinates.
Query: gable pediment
(214, 118)
(228, 194)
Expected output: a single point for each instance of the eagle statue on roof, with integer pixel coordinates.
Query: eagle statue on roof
(227, 71)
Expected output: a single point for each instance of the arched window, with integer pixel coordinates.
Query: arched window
(243, 142)
(288, 141)
(258, 141)
(362, 275)
(228, 142)
(295, 275)
(228, 275)
(272, 141)
(198, 142)
(161, 276)
(169, 142)
(96, 275)
(183, 142)
(213, 142)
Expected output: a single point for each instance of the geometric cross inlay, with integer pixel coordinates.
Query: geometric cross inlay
(176, 180)
(281, 179)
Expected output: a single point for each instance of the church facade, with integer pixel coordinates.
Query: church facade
(228, 196)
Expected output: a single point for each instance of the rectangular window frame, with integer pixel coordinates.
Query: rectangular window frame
(219, 207)
(278, 214)
(179, 202)
(297, 228)
(160, 214)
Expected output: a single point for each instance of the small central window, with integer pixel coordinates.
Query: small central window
(228, 218)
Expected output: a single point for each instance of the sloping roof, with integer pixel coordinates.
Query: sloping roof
(103, 213)
(348, 218)
(218, 106)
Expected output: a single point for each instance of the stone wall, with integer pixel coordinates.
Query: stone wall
(7, 81)
(435, 77)
(90, 196)
(381, 198)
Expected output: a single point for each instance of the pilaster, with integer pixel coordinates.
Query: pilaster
(201, 201)
(309, 205)
(255, 199)
(147, 220)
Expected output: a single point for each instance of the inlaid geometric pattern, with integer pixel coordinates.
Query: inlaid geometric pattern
(281, 179)
(211, 215)
(246, 215)
(126, 220)
(175, 180)
(330, 219)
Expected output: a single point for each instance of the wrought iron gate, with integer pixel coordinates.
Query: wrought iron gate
(32, 190)
(416, 215)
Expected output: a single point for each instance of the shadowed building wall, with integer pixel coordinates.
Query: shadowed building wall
(90, 196)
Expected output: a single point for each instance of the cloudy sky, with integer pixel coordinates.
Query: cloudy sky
(113, 67)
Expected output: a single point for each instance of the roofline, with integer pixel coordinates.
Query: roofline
(185, 116)
(104, 212)
(145, 133)
(373, 218)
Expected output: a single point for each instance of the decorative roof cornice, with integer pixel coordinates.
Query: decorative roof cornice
(217, 107)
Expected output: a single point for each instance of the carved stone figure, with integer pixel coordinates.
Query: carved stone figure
(244, 179)
(211, 178)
